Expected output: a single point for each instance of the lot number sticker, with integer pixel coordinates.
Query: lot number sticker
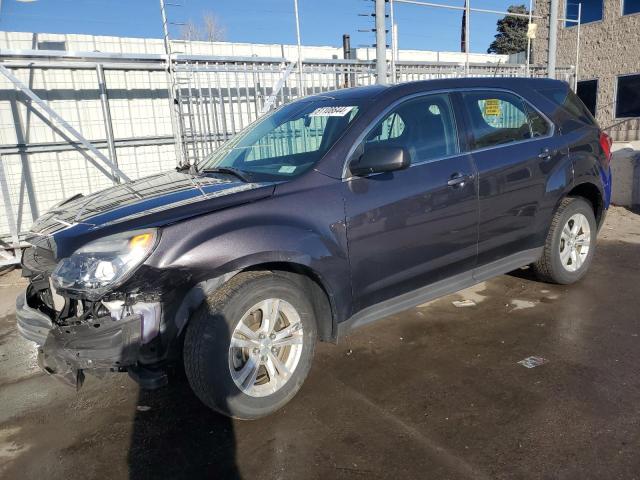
(331, 111)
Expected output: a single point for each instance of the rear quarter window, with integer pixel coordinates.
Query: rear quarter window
(572, 113)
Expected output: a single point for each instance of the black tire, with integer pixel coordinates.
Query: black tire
(549, 267)
(208, 337)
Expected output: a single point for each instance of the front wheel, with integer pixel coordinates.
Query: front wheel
(249, 347)
(570, 243)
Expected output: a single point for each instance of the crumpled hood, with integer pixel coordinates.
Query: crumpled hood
(148, 202)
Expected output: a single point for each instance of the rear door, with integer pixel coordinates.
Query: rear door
(409, 228)
(515, 152)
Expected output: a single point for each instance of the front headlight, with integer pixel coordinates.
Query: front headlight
(103, 264)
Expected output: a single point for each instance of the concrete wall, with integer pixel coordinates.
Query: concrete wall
(625, 168)
(608, 48)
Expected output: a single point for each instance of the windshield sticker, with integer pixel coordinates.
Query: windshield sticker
(287, 169)
(331, 111)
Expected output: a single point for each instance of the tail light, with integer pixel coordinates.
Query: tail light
(605, 143)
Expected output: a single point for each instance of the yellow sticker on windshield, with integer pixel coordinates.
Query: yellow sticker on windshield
(492, 107)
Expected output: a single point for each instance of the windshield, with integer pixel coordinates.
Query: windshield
(287, 142)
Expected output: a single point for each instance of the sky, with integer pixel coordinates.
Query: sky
(322, 22)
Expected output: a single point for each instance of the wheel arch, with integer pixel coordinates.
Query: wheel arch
(319, 294)
(590, 192)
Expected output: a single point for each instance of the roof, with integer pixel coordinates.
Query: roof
(375, 91)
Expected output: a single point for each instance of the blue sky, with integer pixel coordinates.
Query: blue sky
(265, 21)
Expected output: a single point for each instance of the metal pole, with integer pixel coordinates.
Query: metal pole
(381, 43)
(578, 45)
(176, 121)
(394, 35)
(467, 40)
(529, 38)
(346, 53)
(300, 84)
(106, 115)
(8, 209)
(553, 39)
(394, 42)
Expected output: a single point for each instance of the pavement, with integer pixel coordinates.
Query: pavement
(433, 393)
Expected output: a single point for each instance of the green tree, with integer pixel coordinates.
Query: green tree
(512, 32)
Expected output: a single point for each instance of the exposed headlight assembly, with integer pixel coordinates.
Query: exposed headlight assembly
(103, 264)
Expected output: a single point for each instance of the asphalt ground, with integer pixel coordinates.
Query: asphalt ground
(432, 393)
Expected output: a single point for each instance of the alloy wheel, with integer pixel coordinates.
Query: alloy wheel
(575, 241)
(265, 347)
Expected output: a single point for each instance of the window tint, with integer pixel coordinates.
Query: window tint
(588, 93)
(498, 118)
(570, 102)
(628, 96)
(630, 6)
(424, 126)
(591, 11)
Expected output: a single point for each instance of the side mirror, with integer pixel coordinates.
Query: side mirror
(379, 158)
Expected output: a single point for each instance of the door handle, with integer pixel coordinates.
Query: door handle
(545, 153)
(458, 179)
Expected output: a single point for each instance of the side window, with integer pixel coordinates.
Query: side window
(570, 102)
(424, 126)
(539, 126)
(498, 118)
(391, 127)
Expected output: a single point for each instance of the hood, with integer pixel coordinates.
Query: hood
(148, 202)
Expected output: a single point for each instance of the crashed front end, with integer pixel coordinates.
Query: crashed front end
(84, 313)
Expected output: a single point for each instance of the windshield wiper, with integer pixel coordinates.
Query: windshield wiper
(228, 170)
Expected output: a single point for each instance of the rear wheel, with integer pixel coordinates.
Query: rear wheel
(570, 244)
(249, 347)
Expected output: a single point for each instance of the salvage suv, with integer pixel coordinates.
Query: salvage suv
(329, 213)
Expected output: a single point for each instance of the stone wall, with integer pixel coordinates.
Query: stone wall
(608, 48)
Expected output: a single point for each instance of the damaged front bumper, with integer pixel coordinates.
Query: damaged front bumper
(96, 345)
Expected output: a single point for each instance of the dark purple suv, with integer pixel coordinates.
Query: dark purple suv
(329, 213)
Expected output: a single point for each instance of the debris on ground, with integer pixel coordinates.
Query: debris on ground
(518, 304)
(532, 362)
(143, 408)
(463, 303)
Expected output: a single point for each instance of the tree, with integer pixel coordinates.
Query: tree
(512, 32)
(209, 30)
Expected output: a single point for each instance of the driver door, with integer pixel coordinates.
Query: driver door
(409, 228)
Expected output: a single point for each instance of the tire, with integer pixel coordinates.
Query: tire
(558, 263)
(216, 370)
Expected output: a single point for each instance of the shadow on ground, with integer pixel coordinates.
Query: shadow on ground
(178, 437)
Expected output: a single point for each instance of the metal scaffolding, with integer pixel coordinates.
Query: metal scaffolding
(86, 101)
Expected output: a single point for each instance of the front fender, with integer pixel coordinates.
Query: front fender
(229, 241)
